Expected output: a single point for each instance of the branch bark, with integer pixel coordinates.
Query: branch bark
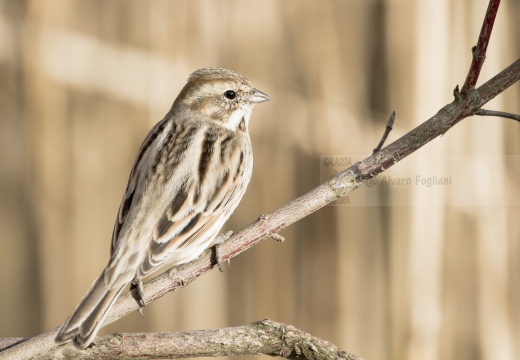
(466, 103)
(263, 337)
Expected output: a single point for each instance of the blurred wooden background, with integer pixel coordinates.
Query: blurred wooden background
(402, 272)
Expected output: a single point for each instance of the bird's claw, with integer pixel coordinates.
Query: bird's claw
(218, 250)
(137, 284)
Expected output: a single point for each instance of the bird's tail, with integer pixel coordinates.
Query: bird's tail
(84, 323)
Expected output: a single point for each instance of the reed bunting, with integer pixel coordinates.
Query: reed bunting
(188, 177)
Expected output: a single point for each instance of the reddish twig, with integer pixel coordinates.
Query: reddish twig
(479, 51)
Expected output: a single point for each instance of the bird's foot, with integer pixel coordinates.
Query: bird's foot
(138, 294)
(218, 251)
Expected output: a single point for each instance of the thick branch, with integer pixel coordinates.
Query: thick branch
(262, 337)
(479, 51)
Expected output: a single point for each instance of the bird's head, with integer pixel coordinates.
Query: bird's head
(220, 95)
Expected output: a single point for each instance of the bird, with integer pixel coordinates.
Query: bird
(188, 177)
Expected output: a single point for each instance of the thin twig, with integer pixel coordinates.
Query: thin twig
(484, 112)
(479, 51)
(389, 126)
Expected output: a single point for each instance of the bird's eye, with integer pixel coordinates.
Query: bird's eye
(230, 94)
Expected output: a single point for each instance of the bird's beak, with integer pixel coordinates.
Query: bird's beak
(258, 97)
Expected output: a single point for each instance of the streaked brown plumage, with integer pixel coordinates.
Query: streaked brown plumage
(188, 177)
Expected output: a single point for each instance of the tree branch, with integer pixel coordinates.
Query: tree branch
(263, 337)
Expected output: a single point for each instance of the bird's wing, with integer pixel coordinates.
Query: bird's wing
(143, 155)
(190, 223)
